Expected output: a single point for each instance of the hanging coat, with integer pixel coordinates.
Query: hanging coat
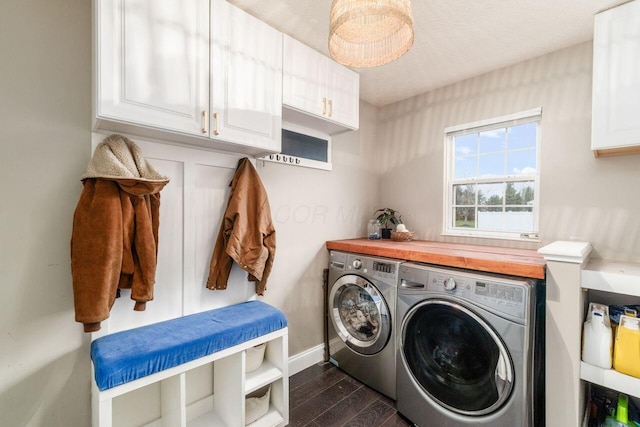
(247, 235)
(114, 242)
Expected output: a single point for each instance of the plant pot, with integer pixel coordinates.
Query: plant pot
(386, 233)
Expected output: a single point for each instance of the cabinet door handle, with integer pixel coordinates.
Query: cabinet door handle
(324, 106)
(205, 121)
(330, 107)
(216, 130)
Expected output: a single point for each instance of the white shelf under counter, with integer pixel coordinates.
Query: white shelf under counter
(620, 278)
(610, 378)
(611, 276)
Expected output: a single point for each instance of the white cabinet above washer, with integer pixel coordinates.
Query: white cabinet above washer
(318, 93)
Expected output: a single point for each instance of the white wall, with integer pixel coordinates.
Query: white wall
(309, 207)
(45, 81)
(581, 197)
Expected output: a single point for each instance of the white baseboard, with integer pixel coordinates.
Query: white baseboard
(307, 358)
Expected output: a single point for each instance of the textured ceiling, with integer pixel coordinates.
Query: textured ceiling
(454, 39)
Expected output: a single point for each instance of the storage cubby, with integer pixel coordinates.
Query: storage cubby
(273, 372)
(594, 396)
(226, 401)
(209, 391)
(611, 283)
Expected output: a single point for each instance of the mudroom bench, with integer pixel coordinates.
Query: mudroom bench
(160, 374)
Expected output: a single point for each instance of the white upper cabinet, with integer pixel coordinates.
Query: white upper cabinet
(318, 92)
(344, 95)
(152, 63)
(616, 81)
(200, 72)
(246, 78)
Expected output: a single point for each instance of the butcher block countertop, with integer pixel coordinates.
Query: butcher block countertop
(515, 262)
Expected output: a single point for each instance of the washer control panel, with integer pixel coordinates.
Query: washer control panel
(385, 270)
(509, 298)
(384, 267)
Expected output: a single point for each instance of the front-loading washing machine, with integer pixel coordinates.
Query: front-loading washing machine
(362, 307)
(471, 348)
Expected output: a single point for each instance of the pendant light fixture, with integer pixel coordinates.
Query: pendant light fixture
(368, 33)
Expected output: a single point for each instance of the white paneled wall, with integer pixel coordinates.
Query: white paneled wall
(191, 209)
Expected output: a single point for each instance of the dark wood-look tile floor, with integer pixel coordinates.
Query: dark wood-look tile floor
(324, 396)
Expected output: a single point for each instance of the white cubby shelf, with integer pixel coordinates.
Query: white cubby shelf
(615, 279)
(209, 391)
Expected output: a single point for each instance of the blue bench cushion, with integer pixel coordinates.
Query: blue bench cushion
(128, 355)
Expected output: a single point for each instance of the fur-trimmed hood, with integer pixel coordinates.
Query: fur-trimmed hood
(119, 159)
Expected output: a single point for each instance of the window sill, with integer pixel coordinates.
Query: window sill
(491, 236)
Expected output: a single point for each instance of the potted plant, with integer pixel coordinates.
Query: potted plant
(388, 219)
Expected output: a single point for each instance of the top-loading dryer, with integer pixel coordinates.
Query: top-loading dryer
(361, 304)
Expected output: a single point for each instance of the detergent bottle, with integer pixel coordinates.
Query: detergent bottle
(621, 416)
(626, 355)
(597, 339)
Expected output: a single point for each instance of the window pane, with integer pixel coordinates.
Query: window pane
(490, 218)
(520, 193)
(464, 194)
(305, 146)
(491, 194)
(464, 217)
(513, 219)
(492, 141)
(522, 136)
(521, 162)
(519, 219)
(466, 145)
(466, 167)
(491, 165)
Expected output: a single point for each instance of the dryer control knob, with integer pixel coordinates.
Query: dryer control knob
(449, 284)
(357, 264)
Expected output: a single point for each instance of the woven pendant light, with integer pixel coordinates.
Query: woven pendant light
(368, 33)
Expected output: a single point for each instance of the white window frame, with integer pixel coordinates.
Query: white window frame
(523, 117)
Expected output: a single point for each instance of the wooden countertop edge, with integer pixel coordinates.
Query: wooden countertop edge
(521, 263)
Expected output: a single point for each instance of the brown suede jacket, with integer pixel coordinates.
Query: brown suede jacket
(247, 235)
(114, 242)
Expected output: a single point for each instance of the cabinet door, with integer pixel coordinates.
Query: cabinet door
(246, 79)
(152, 62)
(320, 88)
(344, 95)
(305, 78)
(616, 81)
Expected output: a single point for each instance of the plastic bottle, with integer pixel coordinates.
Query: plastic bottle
(373, 229)
(597, 339)
(621, 418)
(626, 355)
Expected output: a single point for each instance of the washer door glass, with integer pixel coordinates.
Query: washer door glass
(359, 314)
(456, 357)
